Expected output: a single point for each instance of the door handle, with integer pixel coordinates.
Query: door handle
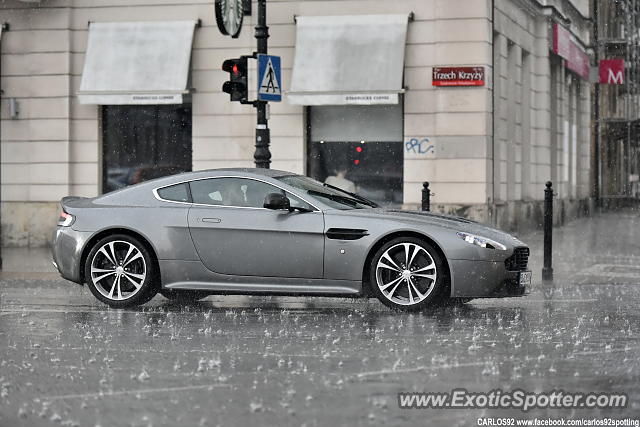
(213, 220)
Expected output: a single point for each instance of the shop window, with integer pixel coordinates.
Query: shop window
(143, 142)
(359, 149)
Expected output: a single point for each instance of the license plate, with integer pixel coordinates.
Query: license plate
(524, 279)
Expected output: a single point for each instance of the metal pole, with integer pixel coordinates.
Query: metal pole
(5, 27)
(262, 155)
(630, 100)
(547, 271)
(426, 197)
(596, 111)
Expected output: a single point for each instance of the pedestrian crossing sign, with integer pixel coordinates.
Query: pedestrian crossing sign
(269, 78)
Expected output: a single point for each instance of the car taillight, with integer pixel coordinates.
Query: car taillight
(65, 219)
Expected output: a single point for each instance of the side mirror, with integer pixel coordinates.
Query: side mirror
(277, 201)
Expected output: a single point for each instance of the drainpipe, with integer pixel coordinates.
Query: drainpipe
(596, 110)
(5, 27)
(493, 118)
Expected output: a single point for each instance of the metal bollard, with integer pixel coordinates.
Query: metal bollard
(547, 270)
(426, 196)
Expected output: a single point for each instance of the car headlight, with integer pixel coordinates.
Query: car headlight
(483, 242)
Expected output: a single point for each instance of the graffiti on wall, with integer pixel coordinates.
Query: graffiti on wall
(419, 146)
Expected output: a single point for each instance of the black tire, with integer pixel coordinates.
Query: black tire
(183, 296)
(143, 265)
(432, 291)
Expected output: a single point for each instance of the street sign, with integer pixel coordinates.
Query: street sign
(269, 78)
(458, 76)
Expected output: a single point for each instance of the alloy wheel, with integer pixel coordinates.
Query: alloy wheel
(118, 270)
(406, 274)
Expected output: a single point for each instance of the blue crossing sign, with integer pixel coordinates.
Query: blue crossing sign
(269, 78)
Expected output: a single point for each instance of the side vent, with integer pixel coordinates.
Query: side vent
(346, 233)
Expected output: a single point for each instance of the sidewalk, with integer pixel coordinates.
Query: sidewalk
(27, 263)
(600, 249)
(603, 248)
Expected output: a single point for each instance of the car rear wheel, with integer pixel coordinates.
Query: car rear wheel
(183, 296)
(408, 274)
(120, 271)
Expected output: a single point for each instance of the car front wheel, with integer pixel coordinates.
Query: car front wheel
(120, 271)
(408, 274)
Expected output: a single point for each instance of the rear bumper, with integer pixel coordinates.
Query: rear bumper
(66, 250)
(483, 279)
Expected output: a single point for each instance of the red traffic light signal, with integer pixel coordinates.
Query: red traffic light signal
(236, 86)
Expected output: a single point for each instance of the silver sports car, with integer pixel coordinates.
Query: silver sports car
(261, 231)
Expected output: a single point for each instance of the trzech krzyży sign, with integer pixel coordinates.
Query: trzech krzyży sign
(458, 76)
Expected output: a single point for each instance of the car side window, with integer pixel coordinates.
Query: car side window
(297, 202)
(217, 191)
(241, 192)
(175, 193)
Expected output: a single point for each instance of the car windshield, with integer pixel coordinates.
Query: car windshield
(327, 194)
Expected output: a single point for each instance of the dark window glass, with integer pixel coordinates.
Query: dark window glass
(176, 193)
(371, 169)
(142, 142)
(358, 148)
(240, 192)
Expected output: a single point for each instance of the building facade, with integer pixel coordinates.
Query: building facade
(99, 94)
(617, 38)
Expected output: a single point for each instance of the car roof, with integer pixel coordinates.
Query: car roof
(241, 172)
(134, 192)
(272, 173)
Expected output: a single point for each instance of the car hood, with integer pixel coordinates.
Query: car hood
(422, 218)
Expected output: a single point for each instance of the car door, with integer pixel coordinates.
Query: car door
(233, 234)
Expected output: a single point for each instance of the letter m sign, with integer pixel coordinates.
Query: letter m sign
(612, 71)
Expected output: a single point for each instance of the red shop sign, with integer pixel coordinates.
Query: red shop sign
(612, 71)
(458, 76)
(565, 46)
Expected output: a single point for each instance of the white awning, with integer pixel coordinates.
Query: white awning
(351, 59)
(137, 63)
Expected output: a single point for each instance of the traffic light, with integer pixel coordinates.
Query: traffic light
(359, 150)
(236, 86)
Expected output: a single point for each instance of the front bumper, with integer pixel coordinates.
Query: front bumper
(66, 250)
(484, 279)
(510, 287)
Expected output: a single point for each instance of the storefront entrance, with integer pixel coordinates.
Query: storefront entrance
(142, 142)
(358, 148)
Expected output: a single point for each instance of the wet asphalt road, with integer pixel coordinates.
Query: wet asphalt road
(67, 360)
